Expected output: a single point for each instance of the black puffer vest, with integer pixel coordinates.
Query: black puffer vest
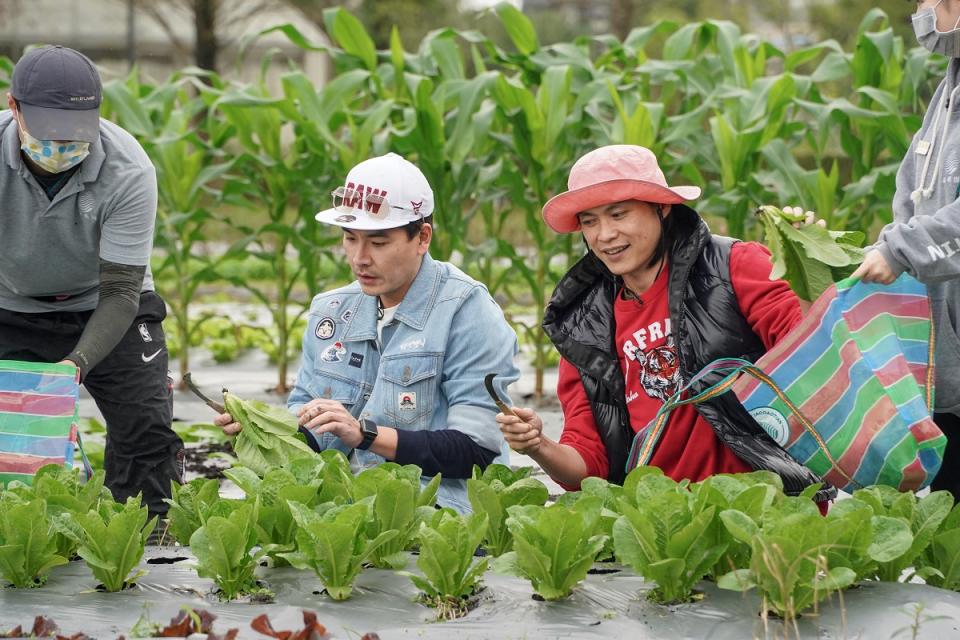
(707, 325)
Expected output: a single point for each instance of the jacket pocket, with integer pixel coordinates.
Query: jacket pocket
(325, 384)
(410, 386)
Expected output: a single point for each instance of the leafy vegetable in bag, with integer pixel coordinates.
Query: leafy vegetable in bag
(554, 546)
(111, 540)
(270, 437)
(494, 491)
(224, 550)
(28, 549)
(810, 258)
(333, 545)
(446, 559)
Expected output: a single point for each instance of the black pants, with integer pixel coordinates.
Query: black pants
(948, 477)
(130, 386)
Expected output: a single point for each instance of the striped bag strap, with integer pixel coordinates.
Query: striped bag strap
(645, 441)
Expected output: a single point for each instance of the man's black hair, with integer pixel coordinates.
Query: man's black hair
(666, 237)
(413, 228)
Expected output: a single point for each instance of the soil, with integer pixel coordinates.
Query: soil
(198, 462)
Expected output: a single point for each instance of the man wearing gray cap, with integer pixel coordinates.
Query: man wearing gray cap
(76, 231)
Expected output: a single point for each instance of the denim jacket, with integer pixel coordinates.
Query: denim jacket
(447, 334)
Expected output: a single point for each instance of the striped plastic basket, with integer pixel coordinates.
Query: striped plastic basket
(848, 392)
(38, 419)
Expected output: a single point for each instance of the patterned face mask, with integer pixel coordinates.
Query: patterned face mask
(54, 156)
(943, 42)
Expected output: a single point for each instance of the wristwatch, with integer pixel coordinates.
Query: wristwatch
(368, 428)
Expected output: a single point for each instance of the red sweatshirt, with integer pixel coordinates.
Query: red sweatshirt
(688, 447)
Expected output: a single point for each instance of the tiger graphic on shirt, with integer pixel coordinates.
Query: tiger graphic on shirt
(659, 367)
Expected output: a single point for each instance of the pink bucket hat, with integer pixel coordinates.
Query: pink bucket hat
(610, 174)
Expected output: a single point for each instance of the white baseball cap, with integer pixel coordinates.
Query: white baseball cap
(380, 193)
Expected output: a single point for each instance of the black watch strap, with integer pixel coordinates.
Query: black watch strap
(369, 430)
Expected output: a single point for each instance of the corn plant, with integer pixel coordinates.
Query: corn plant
(167, 119)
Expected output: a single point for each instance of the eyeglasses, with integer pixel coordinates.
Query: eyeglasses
(373, 204)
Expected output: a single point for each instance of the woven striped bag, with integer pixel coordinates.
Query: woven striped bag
(38, 419)
(848, 392)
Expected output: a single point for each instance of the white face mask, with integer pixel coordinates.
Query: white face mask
(943, 42)
(53, 155)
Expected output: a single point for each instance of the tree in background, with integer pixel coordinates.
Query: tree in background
(216, 24)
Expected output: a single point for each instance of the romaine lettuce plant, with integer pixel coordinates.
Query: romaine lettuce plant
(193, 504)
(493, 492)
(274, 525)
(610, 495)
(554, 546)
(399, 504)
(940, 562)
(28, 549)
(789, 563)
(270, 437)
(224, 550)
(750, 493)
(861, 540)
(65, 493)
(924, 517)
(333, 544)
(111, 540)
(450, 574)
(666, 539)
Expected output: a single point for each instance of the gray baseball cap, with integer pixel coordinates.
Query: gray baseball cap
(59, 92)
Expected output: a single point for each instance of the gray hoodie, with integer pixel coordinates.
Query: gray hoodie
(924, 237)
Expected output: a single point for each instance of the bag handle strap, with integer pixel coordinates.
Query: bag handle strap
(645, 441)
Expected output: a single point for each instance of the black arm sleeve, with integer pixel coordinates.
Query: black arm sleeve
(449, 452)
(119, 301)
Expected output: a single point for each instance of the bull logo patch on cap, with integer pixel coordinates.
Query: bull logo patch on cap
(325, 329)
(345, 218)
(407, 400)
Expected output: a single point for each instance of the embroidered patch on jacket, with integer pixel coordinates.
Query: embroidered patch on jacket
(356, 360)
(410, 345)
(325, 329)
(334, 303)
(346, 315)
(333, 353)
(407, 400)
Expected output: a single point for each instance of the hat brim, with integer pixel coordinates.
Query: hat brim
(44, 123)
(362, 222)
(560, 212)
